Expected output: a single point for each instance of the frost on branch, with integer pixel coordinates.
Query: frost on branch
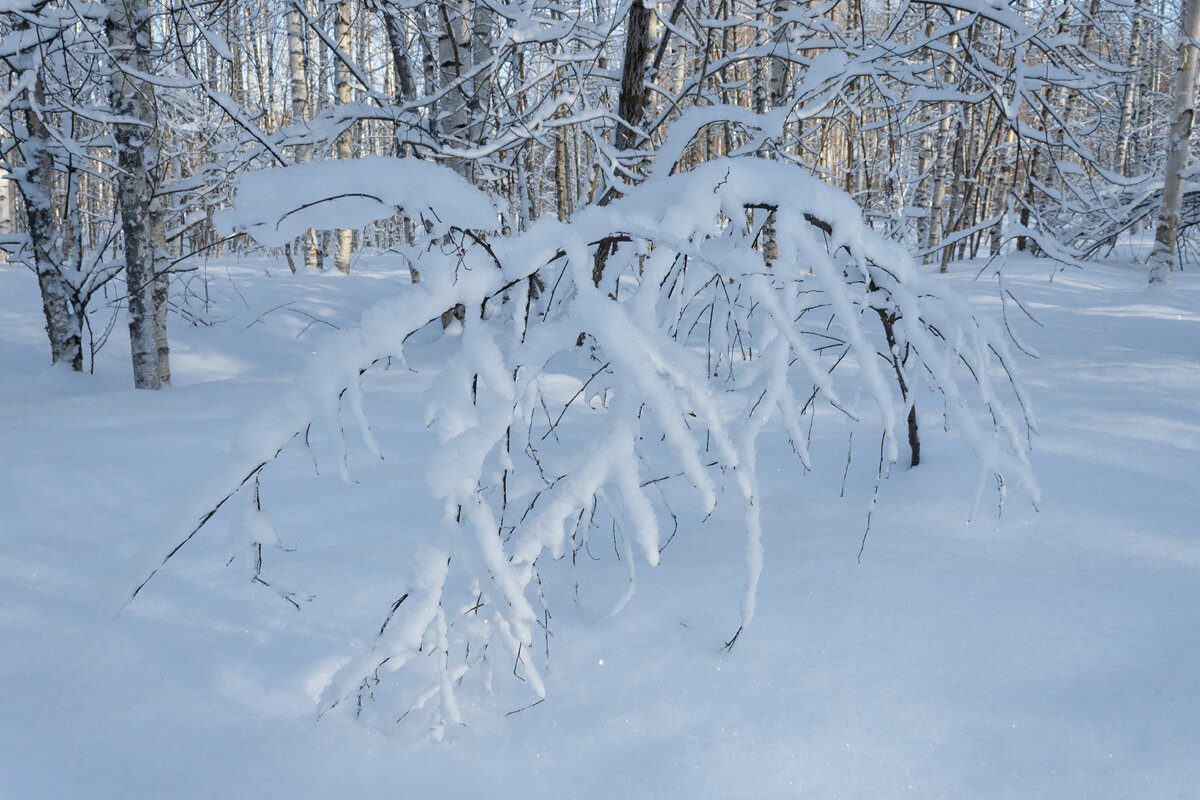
(647, 338)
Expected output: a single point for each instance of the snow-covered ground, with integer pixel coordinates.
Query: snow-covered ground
(1050, 653)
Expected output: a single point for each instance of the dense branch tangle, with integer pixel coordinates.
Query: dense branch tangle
(954, 123)
(523, 98)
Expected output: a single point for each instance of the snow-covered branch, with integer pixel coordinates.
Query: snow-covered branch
(568, 397)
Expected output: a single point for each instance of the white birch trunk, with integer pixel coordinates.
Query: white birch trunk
(161, 290)
(1129, 95)
(6, 209)
(406, 88)
(128, 29)
(777, 83)
(1164, 259)
(300, 111)
(454, 40)
(37, 189)
(482, 24)
(345, 94)
(943, 146)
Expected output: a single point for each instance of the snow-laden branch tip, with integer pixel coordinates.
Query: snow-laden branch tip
(274, 206)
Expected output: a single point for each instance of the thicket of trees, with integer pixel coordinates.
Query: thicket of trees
(957, 125)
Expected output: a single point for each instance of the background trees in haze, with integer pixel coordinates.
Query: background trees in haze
(955, 126)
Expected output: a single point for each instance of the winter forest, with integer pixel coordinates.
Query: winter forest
(716, 398)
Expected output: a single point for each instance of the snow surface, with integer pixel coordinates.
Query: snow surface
(1044, 654)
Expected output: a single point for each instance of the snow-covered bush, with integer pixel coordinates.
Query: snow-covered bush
(681, 344)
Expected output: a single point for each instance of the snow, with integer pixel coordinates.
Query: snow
(1040, 654)
(277, 205)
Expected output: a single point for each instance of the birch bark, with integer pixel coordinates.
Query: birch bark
(1130, 93)
(6, 209)
(1164, 258)
(300, 111)
(345, 94)
(454, 42)
(132, 98)
(36, 185)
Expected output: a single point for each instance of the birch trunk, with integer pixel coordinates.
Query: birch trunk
(161, 290)
(482, 24)
(1164, 259)
(944, 143)
(37, 190)
(454, 41)
(776, 97)
(128, 30)
(777, 82)
(941, 169)
(1129, 95)
(454, 51)
(299, 81)
(560, 173)
(345, 94)
(406, 87)
(6, 209)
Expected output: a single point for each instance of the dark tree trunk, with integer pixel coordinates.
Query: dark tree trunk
(632, 104)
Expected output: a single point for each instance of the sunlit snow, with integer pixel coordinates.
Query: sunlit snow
(1040, 654)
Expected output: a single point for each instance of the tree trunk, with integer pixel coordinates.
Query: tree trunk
(128, 29)
(482, 24)
(1164, 259)
(1129, 95)
(37, 190)
(631, 105)
(454, 40)
(6, 210)
(775, 29)
(406, 87)
(777, 83)
(345, 94)
(161, 285)
(561, 199)
(300, 111)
